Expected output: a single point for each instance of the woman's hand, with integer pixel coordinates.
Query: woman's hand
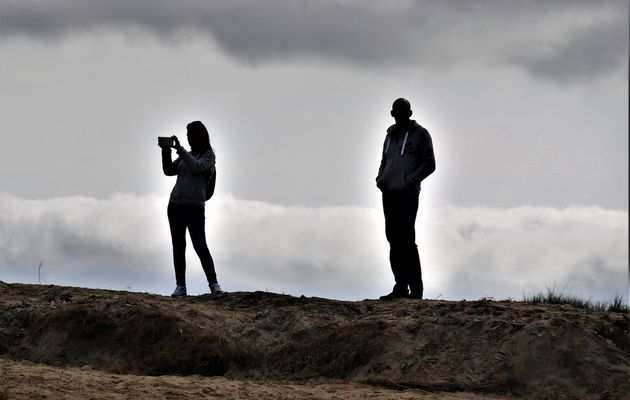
(176, 144)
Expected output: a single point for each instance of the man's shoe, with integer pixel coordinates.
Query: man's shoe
(394, 295)
(415, 295)
(215, 288)
(180, 291)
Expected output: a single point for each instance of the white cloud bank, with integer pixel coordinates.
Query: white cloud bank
(123, 242)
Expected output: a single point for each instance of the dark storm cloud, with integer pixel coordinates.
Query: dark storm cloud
(559, 40)
(585, 54)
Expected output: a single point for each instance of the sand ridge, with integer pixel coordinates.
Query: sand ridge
(484, 348)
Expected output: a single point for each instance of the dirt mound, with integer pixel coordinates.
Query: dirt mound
(535, 351)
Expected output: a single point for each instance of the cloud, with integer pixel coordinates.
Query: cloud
(564, 41)
(509, 252)
(122, 242)
(81, 239)
(585, 53)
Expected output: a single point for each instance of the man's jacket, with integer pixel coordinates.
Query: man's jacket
(407, 159)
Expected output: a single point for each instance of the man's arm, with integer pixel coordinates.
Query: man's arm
(381, 168)
(168, 166)
(426, 168)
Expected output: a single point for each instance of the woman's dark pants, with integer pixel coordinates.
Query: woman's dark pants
(180, 217)
(400, 209)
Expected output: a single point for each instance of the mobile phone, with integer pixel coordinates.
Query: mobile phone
(165, 141)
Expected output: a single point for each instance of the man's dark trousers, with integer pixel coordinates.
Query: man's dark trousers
(400, 210)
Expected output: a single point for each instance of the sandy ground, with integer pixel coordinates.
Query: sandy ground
(27, 380)
(63, 342)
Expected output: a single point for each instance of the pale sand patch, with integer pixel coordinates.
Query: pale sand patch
(27, 380)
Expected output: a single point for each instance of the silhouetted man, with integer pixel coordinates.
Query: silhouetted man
(407, 160)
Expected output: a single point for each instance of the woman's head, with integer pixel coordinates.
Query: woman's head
(198, 137)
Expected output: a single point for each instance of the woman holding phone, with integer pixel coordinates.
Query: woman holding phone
(186, 208)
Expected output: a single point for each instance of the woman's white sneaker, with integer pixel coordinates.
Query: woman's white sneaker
(180, 291)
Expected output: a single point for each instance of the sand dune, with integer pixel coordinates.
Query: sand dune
(61, 342)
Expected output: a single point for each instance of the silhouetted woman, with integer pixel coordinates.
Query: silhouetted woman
(188, 197)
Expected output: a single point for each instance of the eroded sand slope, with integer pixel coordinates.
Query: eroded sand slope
(306, 346)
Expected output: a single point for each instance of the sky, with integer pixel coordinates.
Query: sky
(526, 103)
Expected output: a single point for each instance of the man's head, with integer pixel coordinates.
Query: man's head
(401, 110)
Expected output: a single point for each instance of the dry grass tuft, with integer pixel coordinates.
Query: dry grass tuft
(551, 295)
